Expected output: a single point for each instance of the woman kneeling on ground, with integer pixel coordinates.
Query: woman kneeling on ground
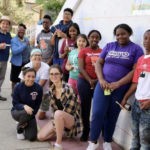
(27, 98)
(66, 110)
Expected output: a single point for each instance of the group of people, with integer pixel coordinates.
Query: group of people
(70, 73)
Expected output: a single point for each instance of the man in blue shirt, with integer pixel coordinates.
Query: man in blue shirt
(59, 31)
(5, 39)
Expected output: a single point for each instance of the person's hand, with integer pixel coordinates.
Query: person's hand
(70, 67)
(2, 45)
(145, 104)
(114, 85)
(66, 49)
(123, 102)
(28, 109)
(59, 33)
(92, 83)
(104, 84)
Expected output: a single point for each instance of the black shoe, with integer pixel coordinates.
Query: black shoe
(3, 98)
(84, 138)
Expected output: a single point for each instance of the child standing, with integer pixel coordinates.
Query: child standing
(87, 79)
(72, 62)
(141, 106)
(68, 45)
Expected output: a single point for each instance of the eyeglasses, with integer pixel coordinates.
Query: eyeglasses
(54, 74)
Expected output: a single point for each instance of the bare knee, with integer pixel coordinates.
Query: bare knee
(58, 114)
(40, 137)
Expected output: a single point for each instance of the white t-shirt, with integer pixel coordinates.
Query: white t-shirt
(41, 74)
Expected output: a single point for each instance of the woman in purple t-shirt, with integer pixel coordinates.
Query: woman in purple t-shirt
(114, 70)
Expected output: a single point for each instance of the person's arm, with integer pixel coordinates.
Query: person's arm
(64, 49)
(16, 47)
(68, 66)
(130, 91)
(52, 40)
(18, 105)
(99, 72)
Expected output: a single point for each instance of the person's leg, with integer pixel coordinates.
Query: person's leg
(3, 67)
(46, 132)
(62, 120)
(112, 114)
(100, 106)
(44, 107)
(23, 118)
(135, 114)
(15, 71)
(30, 131)
(144, 128)
(85, 94)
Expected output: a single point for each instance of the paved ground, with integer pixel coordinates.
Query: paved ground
(8, 139)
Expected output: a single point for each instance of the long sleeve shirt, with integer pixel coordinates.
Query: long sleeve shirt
(24, 95)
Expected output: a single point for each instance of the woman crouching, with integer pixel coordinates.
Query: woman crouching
(27, 98)
(66, 110)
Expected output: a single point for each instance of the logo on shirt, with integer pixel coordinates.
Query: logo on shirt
(117, 54)
(34, 95)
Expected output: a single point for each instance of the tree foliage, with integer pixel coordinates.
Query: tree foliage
(53, 7)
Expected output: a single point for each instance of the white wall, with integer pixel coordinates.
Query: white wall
(104, 15)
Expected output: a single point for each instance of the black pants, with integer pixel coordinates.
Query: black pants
(27, 124)
(86, 94)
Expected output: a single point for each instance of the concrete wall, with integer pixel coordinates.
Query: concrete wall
(104, 15)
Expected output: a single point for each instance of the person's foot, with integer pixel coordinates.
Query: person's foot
(92, 146)
(20, 136)
(107, 146)
(83, 138)
(3, 98)
(56, 147)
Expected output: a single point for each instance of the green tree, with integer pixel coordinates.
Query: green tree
(52, 7)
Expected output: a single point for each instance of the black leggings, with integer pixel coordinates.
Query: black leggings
(29, 123)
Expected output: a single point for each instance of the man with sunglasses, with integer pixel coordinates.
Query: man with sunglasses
(43, 40)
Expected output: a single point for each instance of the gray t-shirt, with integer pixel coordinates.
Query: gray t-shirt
(43, 39)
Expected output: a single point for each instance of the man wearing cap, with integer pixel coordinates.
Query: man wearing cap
(20, 48)
(5, 39)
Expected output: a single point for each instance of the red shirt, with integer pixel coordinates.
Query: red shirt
(89, 57)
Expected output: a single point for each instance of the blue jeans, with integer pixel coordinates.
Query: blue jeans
(140, 128)
(105, 112)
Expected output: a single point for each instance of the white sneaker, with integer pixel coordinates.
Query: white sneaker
(107, 146)
(92, 146)
(20, 136)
